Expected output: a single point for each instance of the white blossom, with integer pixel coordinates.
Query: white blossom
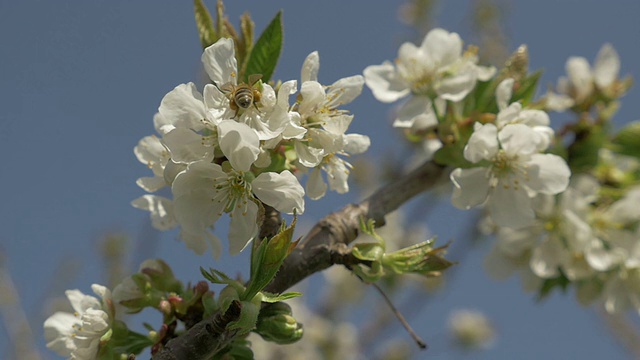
(471, 329)
(204, 191)
(438, 70)
(582, 80)
(78, 335)
(515, 173)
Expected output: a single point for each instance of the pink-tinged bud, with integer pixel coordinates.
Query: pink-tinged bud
(165, 307)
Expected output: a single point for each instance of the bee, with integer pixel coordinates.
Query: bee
(243, 95)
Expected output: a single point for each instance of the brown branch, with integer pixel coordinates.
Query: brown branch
(342, 227)
(323, 247)
(204, 339)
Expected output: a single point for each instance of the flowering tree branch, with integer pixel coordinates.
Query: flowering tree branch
(321, 249)
(342, 227)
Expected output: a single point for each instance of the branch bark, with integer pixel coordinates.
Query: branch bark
(319, 248)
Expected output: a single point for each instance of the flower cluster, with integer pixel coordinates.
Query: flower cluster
(436, 71)
(510, 168)
(78, 335)
(582, 237)
(583, 83)
(240, 145)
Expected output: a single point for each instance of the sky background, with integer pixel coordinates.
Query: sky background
(80, 82)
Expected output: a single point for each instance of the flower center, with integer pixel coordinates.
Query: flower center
(233, 190)
(508, 171)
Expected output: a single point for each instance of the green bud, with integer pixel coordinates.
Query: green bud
(277, 308)
(161, 276)
(135, 293)
(276, 324)
(368, 251)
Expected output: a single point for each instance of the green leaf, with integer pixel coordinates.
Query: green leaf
(585, 150)
(267, 258)
(526, 88)
(273, 298)
(264, 56)
(204, 23)
(561, 282)
(248, 318)
(452, 155)
(627, 141)
(132, 343)
(217, 277)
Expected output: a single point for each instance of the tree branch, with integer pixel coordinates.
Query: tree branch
(204, 339)
(321, 248)
(342, 227)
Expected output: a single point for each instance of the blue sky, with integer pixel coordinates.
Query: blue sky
(80, 82)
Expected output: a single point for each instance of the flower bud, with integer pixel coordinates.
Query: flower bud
(276, 324)
(161, 276)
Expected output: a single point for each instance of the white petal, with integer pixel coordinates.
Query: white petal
(198, 241)
(57, 332)
(509, 115)
(162, 124)
(220, 62)
(579, 73)
(557, 102)
(217, 104)
(282, 191)
(485, 72)
(337, 175)
(239, 143)
(548, 173)
(310, 67)
(316, 187)
(519, 139)
(458, 85)
(199, 175)
(483, 143)
(356, 143)
(312, 96)
(81, 302)
(307, 155)
(417, 113)
(293, 130)
(161, 208)
(151, 184)
(546, 259)
(186, 146)
(535, 118)
(171, 170)
(338, 125)
(442, 46)
(385, 83)
(243, 227)
(196, 212)
(606, 67)
(471, 187)
(503, 93)
(183, 107)
(152, 153)
(510, 207)
(345, 90)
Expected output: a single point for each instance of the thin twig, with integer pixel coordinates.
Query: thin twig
(421, 344)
